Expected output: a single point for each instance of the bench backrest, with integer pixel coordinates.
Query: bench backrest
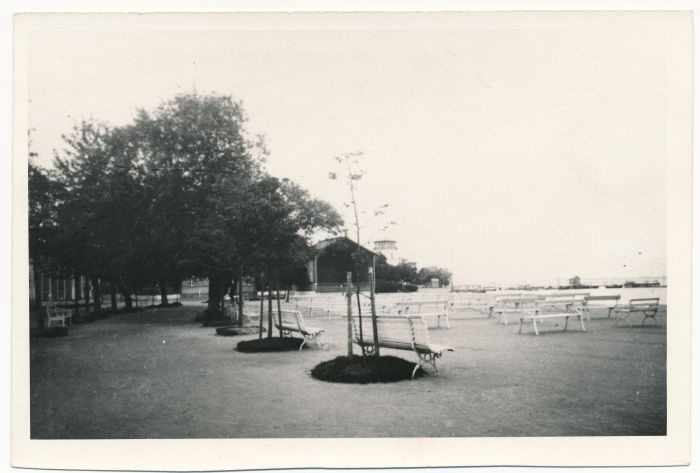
(559, 303)
(612, 297)
(567, 295)
(425, 307)
(517, 300)
(649, 302)
(425, 302)
(291, 319)
(51, 311)
(394, 331)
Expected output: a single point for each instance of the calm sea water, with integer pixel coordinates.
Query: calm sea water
(626, 293)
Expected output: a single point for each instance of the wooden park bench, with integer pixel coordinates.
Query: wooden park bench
(647, 306)
(293, 321)
(427, 309)
(54, 315)
(547, 309)
(612, 301)
(400, 332)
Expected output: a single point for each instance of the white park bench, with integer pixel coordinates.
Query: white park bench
(293, 321)
(547, 309)
(56, 315)
(564, 295)
(647, 306)
(400, 332)
(427, 309)
(324, 304)
(512, 305)
(609, 302)
(479, 303)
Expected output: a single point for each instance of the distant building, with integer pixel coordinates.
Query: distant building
(411, 264)
(333, 259)
(435, 282)
(389, 249)
(575, 281)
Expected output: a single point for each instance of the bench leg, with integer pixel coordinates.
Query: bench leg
(318, 342)
(534, 324)
(610, 309)
(426, 358)
(302, 344)
(520, 329)
(652, 317)
(583, 327)
(566, 322)
(415, 368)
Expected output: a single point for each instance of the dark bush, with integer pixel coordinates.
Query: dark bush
(384, 285)
(232, 331)
(408, 287)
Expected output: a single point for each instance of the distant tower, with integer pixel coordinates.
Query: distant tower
(389, 249)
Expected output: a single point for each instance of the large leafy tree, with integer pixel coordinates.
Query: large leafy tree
(196, 152)
(99, 215)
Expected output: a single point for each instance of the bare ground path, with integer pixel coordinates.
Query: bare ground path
(156, 374)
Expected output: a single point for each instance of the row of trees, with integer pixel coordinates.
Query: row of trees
(180, 191)
(409, 274)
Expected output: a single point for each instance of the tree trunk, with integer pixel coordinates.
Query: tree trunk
(375, 332)
(217, 291)
(76, 303)
(279, 306)
(262, 312)
(163, 293)
(113, 296)
(232, 297)
(96, 294)
(348, 297)
(240, 297)
(359, 319)
(126, 294)
(269, 310)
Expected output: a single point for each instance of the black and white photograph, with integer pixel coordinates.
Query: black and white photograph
(291, 227)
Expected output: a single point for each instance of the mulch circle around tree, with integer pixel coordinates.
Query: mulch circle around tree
(359, 370)
(217, 323)
(167, 306)
(50, 332)
(270, 345)
(232, 331)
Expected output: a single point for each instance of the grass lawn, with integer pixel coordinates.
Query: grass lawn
(157, 374)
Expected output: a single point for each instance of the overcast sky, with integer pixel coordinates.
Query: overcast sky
(506, 152)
